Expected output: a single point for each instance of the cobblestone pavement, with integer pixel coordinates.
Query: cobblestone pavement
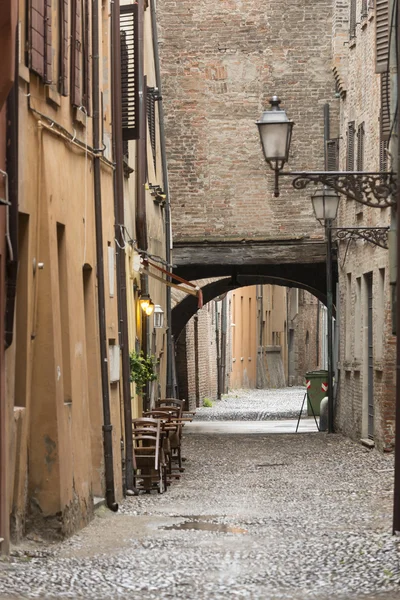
(254, 516)
(255, 405)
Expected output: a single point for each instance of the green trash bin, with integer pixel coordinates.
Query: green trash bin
(317, 389)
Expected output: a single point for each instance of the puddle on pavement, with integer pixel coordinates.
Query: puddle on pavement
(201, 523)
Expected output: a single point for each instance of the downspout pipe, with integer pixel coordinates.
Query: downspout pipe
(168, 237)
(141, 217)
(12, 210)
(121, 257)
(107, 426)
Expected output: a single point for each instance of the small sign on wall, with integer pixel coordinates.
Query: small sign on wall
(114, 362)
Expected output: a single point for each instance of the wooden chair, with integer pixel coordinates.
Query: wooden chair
(148, 457)
(169, 417)
(186, 415)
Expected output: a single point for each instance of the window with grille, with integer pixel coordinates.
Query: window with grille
(350, 146)
(129, 71)
(360, 147)
(353, 18)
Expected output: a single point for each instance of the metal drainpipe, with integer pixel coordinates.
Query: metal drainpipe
(396, 167)
(217, 340)
(141, 221)
(223, 343)
(12, 170)
(168, 238)
(121, 257)
(107, 427)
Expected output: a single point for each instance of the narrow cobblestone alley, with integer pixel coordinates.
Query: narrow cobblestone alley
(258, 516)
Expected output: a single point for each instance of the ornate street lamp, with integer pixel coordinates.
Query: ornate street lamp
(376, 189)
(275, 131)
(325, 203)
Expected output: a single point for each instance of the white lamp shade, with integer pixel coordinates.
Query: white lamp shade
(275, 131)
(275, 140)
(158, 317)
(325, 203)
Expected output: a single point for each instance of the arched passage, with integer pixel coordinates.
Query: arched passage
(185, 309)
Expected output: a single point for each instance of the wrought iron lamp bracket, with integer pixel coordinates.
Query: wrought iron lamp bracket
(378, 236)
(376, 189)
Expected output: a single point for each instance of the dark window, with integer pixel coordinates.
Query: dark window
(382, 35)
(360, 147)
(350, 146)
(353, 18)
(129, 71)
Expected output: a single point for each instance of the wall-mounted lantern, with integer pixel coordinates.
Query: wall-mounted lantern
(158, 317)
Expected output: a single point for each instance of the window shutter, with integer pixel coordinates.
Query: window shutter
(86, 59)
(383, 159)
(37, 36)
(151, 117)
(129, 70)
(385, 106)
(364, 9)
(76, 52)
(332, 155)
(48, 75)
(382, 35)
(353, 18)
(360, 147)
(350, 146)
(64, 47)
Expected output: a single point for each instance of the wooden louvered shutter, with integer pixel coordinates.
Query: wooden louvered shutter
(76, 52)
(353, 18)
(129, 71)
(350, 146)
(332, 155)
(384, 122)
(86, 59)
(364, 9)
(360, 147)
(64, 47)
(385, 106)
(48, 54)
(151, 118)
(382, 35)
(37, 36)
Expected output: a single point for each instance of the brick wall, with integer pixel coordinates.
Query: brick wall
(221, 62)
(196, 359)
(305, 329)
(361, 104)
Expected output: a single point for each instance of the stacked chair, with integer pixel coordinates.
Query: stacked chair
(157, 445)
